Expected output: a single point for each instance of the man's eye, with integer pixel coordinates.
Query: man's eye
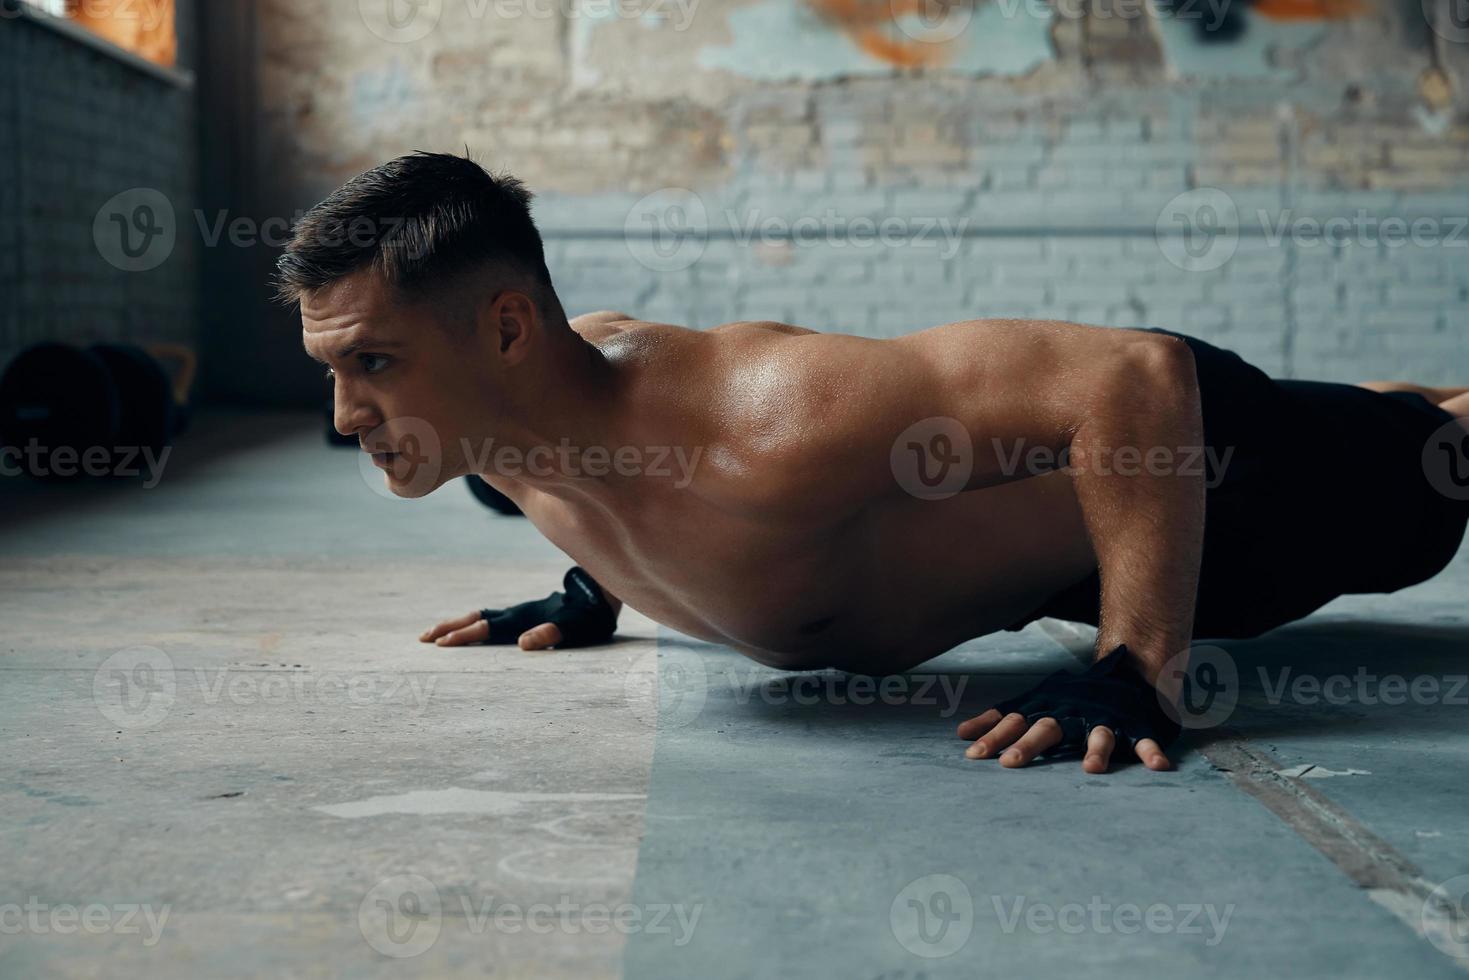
(371, 364)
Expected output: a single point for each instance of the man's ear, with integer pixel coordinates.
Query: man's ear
(510, 321)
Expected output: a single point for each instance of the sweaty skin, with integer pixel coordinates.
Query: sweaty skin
(758, 505)
(755, 557)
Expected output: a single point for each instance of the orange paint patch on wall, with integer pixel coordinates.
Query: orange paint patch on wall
(873, 26)
(1309, 9)
(144, 27)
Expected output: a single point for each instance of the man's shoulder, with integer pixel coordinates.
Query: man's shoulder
(772, 328)
(781, 413)
(601, 324)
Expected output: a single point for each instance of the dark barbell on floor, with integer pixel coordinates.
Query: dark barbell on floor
(66, 412)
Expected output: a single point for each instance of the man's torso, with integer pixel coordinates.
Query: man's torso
(744, 556)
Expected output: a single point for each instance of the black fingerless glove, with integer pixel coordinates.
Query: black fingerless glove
(582, 612)
(1110, 693)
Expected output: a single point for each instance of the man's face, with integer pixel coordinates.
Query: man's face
(412, 392)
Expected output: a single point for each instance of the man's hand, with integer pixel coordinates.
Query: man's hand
(472, 627)
(1093, 712)
(583, 615)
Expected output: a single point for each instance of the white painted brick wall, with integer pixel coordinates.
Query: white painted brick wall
(1059, 220)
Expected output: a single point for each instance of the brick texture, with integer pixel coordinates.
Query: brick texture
(882, 204)
(77, 127)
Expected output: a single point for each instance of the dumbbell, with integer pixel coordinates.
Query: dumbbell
(114, 397)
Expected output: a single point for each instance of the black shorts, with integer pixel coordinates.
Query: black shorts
(1324, 493)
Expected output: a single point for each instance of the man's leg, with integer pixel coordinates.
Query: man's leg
(1458, 405)
(1437, 396)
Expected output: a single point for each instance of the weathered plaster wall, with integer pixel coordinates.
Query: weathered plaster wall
(1051, 140)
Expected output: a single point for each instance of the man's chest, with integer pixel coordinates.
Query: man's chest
(753, 583)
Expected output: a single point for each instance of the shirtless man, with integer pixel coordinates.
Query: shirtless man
(1197, 497)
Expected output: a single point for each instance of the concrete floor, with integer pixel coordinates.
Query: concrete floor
(228, 756)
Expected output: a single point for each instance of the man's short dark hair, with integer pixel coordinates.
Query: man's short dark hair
(418, 221)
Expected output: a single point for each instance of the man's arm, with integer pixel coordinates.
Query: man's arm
(1124, 404)
(1144, 513)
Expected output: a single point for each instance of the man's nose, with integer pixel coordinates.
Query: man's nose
(351, 415)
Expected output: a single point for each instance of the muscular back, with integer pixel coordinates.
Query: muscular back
(782, 539)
